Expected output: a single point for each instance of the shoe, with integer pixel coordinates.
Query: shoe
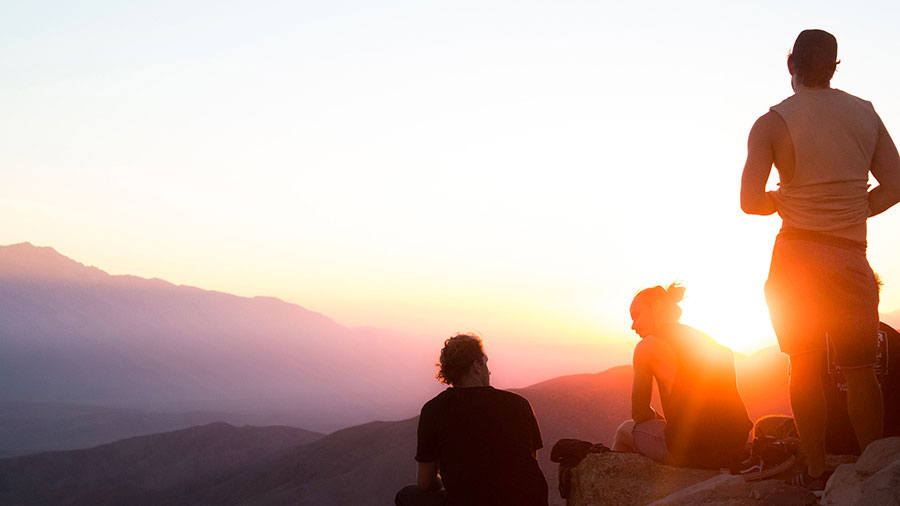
(815, 485)
(768, 457)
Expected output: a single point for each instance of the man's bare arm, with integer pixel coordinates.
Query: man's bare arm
(427, 476)
(886, 169)
(760, 157)
(642, 388)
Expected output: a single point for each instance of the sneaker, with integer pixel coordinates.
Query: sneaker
(768, 457)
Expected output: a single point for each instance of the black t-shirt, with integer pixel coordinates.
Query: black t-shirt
(482, 439)
(839, 435)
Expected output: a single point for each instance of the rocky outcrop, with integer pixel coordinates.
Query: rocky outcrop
(631, 479)
(734, 491)
(873, 480)
(628, 478)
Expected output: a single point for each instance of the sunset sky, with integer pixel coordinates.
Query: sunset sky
(515, 168)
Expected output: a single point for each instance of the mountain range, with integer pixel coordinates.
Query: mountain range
(72, 335)
(358, 466)
(88, 358)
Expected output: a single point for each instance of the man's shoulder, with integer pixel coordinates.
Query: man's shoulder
(802, 100)
(854, 98)
(768, 128)
(436, 401)
(510, 396)
(513, 404)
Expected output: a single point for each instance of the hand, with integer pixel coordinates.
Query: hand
(436, 484)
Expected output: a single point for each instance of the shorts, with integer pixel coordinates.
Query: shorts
(814, 289)
(650, 439)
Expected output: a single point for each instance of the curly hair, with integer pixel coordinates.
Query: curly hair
(457, 356)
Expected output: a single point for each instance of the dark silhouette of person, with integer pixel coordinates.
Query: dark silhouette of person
(705, 423)
(477, 446)
(824, 143)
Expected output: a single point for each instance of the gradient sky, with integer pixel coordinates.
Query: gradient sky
(515, 168)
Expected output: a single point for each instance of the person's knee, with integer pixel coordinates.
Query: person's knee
(862, 381)
(625, 427)
(412, 495)
(407, 495)
(859, 374)
(622, 441)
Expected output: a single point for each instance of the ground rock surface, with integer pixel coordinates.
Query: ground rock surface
(726, 490)
(873, 481)
(631, 479)
(628, 478)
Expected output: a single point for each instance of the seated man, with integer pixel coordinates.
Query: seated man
(705, 424)
(477, 446)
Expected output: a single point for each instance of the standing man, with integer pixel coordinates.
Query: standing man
(477, 446)
(824, 143)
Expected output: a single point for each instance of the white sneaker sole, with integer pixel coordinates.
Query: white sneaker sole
(764, 473)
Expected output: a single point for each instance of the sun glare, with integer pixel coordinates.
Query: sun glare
(742, 325)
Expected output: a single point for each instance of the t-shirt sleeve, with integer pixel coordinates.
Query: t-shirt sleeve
(427, 447)
(535, 431)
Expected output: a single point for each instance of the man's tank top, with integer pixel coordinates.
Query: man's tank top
(834, 136)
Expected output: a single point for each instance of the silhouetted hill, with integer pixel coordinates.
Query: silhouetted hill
(337, 469)
(33, 427)
(131, 471)
(366, 464)
(357, 466)
(75, 334)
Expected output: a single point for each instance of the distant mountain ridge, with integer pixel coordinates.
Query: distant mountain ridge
(31, 427)
(132, 470)
(75, 334)
(366, 464)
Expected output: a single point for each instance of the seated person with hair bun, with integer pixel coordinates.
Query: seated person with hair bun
(705, 423)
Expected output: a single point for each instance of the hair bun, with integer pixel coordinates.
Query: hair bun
(675, 293)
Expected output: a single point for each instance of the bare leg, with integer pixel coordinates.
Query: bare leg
(865, 404)
(808, 403)
(623, 440)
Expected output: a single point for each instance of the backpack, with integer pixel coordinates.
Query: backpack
(772, 451)
(780, 427)
(568, 453)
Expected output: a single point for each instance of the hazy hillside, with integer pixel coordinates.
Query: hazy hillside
(32, 427)
(336, 469)
(74, 334)
(108, 347)
(129, 471)
(358, 466)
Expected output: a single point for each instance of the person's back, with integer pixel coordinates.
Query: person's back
(706, 421)
(834, 135)
(483, 439)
